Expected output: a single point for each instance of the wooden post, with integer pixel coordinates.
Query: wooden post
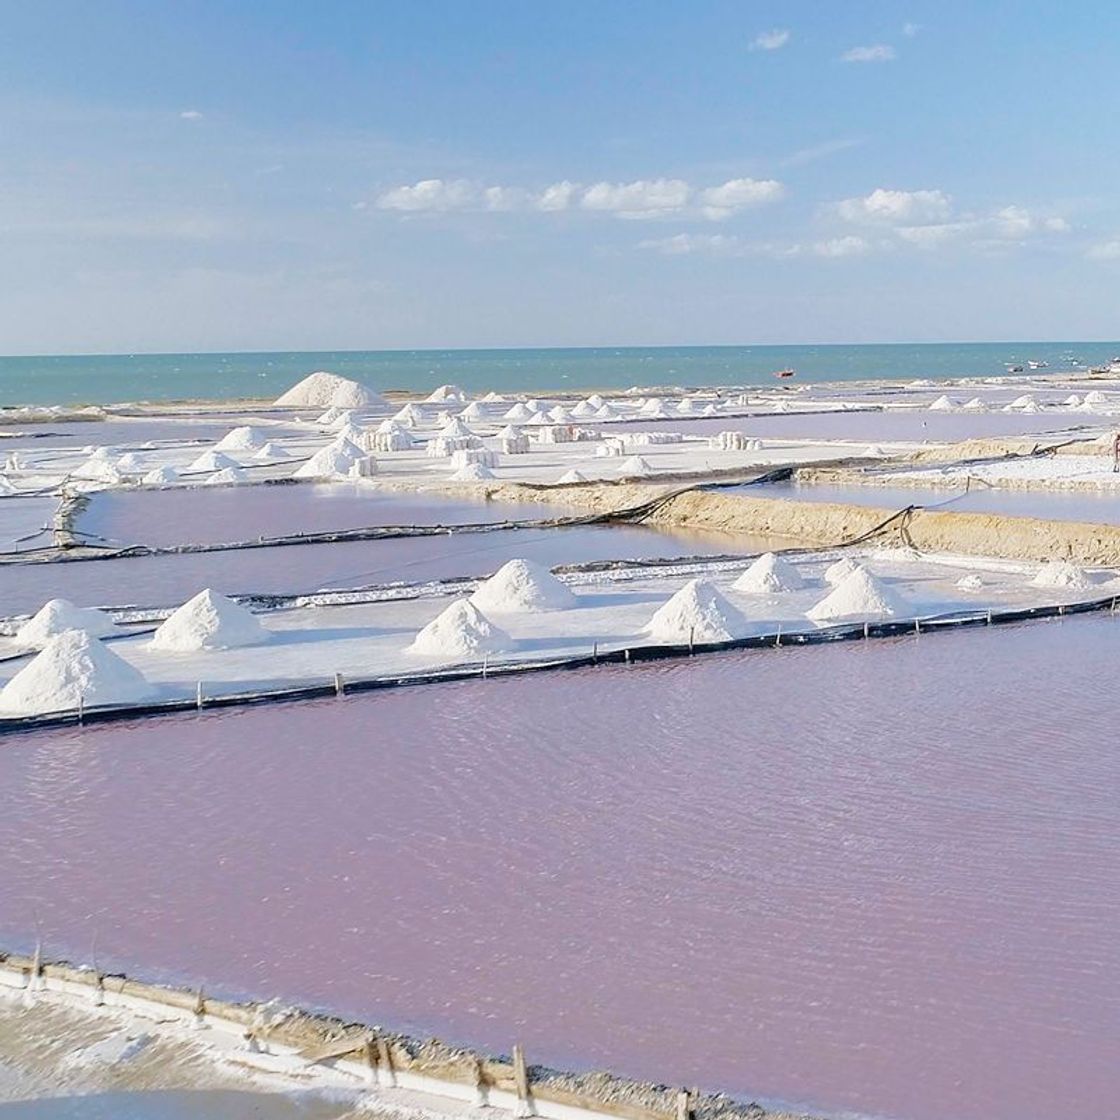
(691, 639)
(778, 637)
(35, 980)
(485, 665)
(917, 626)
(198, 696)
(867, 630)
(521, 1080)
(989, 616)
(339, 688)
(386, 1075)
(595, 653)
(627, 655)
(199, 1009)
(684, 1111)
(81, 708)
(369, 1052)
(481, 1089)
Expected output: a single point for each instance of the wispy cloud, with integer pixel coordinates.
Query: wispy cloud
(641, 199)
(1104, 251)
(725, 245)
(815, 152)
(877, 52)
(911, 29)
(190, 115)
(849, 246)
(771, 40)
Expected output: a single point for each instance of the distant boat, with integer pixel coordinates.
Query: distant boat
(1014, 369)
(785, 373)
(1038, 365)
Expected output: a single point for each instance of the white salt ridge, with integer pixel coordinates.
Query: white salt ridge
(212, 461)
(836, 573)
(161, 476)
(522, 585)
(1061, 573)
(73, 669)
(59, 615)
(769, 575)
(460, 631)
(322, 389)
(697, 613)
(471, 472)
(245, 438)
(209, 621)
(859, 595)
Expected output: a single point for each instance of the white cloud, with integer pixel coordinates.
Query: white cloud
(891, 207)
(911, 29)
(559, 196)
(190, 115)
(431, 194)
(771, 40)
(849, 246)
(681, 244)
(504, 198)
(877, 52)
(933, 235)
(1056, 225)
(644, 198)
(721, 202)
(1105, 251)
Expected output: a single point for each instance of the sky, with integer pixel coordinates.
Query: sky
(200, 175)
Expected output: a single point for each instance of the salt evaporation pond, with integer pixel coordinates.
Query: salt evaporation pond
(170, 579)
(219, 514)
(878, 877)
(1056, 505)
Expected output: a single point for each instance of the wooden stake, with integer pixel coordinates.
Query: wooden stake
(339, 688)
(386, 1075)
(521, 1080)
(684, 1112)
(198, 695)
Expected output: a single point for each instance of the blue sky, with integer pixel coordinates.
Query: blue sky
(282, 175)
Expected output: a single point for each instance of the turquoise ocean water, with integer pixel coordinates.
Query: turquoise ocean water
(108, 379)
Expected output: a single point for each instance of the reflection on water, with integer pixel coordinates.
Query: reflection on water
(878, 877)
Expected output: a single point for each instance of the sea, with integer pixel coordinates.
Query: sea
(116, 378)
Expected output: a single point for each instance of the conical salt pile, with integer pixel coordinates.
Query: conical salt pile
(471, 472)
(571, 476)
(522, 585)
(272, 451)
(212, 461)
(59, 615)
(461, 630)
(1061, 573)
(858, 595)
(634, 467)
(161, 476)
(584, 410)
(444, 394)
(838, 572)
(697, 613)
(73, 669)
(209, 621)
(245, 438)
(769, 575)
(518, 412)
(943, 404)
(331, 461)
(410, 415)
(320, 389)
(227, 476)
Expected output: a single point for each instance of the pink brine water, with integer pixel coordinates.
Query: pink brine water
(880, 878)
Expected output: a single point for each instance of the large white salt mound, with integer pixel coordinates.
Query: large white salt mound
(858, 595)
(471, 472)
(212, 461)
(1061, 573)
(836, 573)
(331, 461)
(697, 613)
(769, 575)
(161, 476)
(73, 668)
(634, 467)
(522, 585)
(519, 411)
(571, 476)
(445, 394)
(322, 389)
(461, 630)
(59, 615)
(209, 621)
(245, 438)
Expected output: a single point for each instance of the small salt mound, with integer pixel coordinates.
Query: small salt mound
(410, 415)
(272, 451)
(493, 398)
(970, 583)
(518, 412)
(1061, 573)
(331, 461)
(1073, 400)
(595, 400)
(473, 412)
(605, 412)
(342, 419)
(874, 451)
(445, 394)
(943, 404)
(569, 477)
(522, 585)
(245, 438)
(131, 464)
(858, 595)
(59, 615)
(838, 572)
(558, 414)
(455, 429)
(209, 621)
(768, 575)
(329, 417)
(698, 613)
(161, 476)
(212, 461)
(635, 467)
(97, 469)
(228, 476)
(321, 389)
(461, 630)
(538, 418)
(1095, 396)
(584, 410)
(353, 432)
(73, 668)
(472, 472)
(975, 405)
